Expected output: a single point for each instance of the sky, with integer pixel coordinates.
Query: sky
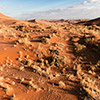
(51, 9)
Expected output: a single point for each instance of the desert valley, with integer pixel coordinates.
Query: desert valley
(49, 59)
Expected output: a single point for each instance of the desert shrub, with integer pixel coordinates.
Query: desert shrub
(22, 41)
(90, 40)
(26, 28)
(79, 47)
(97, 66)
(89, 86)
(49, 27)
(20, 27)
(26, 62)
(45, 40)
(54, 51)
(25, 35)
(52, 60)
(56, 60)
(92, 44)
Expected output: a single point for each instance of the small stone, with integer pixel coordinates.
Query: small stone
(26, 56)
(19, 59)
(15, 45)
(4, 49)
(61, 83)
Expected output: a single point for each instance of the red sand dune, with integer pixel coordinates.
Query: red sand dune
(93, 22)
(43, 60)
(88, 22)
(6, 20)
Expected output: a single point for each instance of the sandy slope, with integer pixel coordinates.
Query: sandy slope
(38, 61)
(6, 20)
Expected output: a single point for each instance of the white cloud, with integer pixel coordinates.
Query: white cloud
(79, 11)
(86, 3)
(91, 1)
(68, 13)
(94, 1)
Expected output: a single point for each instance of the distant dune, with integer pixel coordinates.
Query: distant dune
(6, 20)
(93, 22)
(3, 16)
